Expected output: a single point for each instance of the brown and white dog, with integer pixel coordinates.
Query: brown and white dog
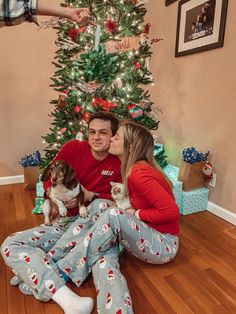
(65, 187)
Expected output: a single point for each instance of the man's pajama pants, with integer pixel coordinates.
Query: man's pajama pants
(86, 245)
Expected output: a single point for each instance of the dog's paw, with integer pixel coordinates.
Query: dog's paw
(83, 212)
(47, 221)
(62, 211)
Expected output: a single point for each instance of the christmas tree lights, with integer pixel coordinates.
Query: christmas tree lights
(100, 67)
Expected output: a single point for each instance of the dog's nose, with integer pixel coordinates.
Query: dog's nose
(54, 179)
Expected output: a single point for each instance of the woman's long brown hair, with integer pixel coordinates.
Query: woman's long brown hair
(138, 146)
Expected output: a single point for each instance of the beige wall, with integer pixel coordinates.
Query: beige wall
(197, 95)
(195, 92)
(25, 71)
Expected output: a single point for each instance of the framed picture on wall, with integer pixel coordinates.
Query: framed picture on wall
(200, 25)
(168, 2)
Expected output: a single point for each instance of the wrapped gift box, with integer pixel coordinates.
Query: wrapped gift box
(31, 175)
(191, 175)
(194, 201)
(38, 209)
(172, 173)
(39, 189)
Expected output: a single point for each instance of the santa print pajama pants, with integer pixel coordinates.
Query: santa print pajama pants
(84, 245)
(97, 250)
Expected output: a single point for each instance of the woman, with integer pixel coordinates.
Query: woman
(149, 229)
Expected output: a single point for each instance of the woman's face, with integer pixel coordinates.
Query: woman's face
(117, 143)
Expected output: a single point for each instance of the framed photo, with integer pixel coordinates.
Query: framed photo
(200, 25)
(168, 2)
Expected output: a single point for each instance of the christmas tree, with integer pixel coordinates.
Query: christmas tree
(101, 67)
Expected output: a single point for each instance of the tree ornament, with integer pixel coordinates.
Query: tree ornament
(62, 100)
(137, 65)
(104, 104)
(63, 130)
(86, 116)
(89, 87)
(119, 82)
(135, 112)
(111, 26)
(208, 171)
(97, 37)
(77, 109)
(79, 136)
(73, 33)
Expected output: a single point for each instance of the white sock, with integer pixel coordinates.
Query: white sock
(71, 303)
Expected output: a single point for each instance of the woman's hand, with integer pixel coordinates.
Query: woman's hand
(130, 211)
(133, 212)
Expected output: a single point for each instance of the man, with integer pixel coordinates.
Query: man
(95, 167)
(26, 252)
(14, 12)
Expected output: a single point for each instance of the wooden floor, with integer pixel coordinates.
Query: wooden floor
(201, 279)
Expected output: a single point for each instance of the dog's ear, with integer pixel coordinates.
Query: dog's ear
(46, 173)
(70, 175)
(81, 197)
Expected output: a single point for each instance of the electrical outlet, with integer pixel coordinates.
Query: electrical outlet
(212, 183)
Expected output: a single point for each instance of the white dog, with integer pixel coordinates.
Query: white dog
(117, 193)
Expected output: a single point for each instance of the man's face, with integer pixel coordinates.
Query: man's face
(117, 143)
(99, 135)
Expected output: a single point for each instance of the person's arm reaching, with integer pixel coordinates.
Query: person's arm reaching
(78, 15)
(14, 12)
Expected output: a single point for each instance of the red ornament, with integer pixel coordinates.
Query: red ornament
(64, 93)
(86, 116)
(104, 104)
(77, 109)
(82, 29)
(73, 33)
(63, 130)
(137, 65)
(111, 26)
(135, 112)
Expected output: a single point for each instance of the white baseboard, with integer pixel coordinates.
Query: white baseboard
(222, 213)
(213, 208)
(11, 180)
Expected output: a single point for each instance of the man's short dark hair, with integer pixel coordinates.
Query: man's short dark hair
(106, 116)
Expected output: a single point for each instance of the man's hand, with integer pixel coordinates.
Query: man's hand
(72, 203)
(88, 195)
